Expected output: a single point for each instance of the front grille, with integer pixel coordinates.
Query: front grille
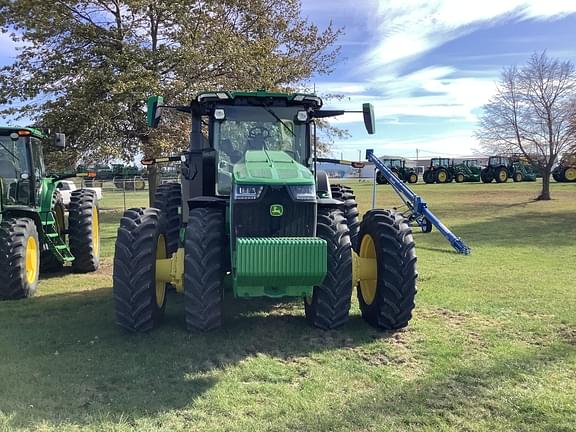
(251, 218)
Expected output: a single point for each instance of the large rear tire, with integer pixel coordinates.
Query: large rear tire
(19, 258)
(204, 268)
(168, 199)
(441, 176)
(84, 231)
(569, 175)
(350, 209)
(486, 176)
(329, 305)
(139, 300)
(501, 175)
(428, 177)
(387, 302)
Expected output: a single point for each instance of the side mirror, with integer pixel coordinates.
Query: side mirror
(154, 111)
(368, 113)
(59, 140)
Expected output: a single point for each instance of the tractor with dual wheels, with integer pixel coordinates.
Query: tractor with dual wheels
(503, 168)
(398, 167)
(250, 218)
(565, 171)
(35, 233)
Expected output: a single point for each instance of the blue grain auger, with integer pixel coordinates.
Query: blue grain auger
(419, 213)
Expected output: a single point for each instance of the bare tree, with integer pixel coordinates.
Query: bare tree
(531, 114)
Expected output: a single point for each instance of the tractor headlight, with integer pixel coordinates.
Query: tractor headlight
(302, 192)
(247, 192)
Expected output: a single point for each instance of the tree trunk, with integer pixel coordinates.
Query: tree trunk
(153, 182)
(545, 193)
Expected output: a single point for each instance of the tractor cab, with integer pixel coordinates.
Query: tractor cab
(21, 165)
(394, 163)
(439, 162)
(496, 161)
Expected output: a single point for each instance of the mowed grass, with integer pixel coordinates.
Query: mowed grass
(492, 345)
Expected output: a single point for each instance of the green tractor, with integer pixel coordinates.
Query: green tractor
(501, 168)
(440, 170)
(398, 166)
(33, 222)
(565, 171)
(468, 170)
(252, 217)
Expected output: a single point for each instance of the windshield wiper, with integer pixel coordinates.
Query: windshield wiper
(280, 120)
(11, 154)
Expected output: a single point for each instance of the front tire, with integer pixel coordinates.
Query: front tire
(84, 231)
(139, 300)
(459, 178)
(413, 178)
(517, 177)
(204, 268)
(380, 178)
(19, 258)
(329, 306)
(387, 302)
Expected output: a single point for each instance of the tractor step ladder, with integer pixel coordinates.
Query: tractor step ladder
(52, 238)
(419, 211)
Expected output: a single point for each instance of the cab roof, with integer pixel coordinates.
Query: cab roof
(6, 130)
(259, 98)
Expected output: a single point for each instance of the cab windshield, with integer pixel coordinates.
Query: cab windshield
(255, 128)
(14, 174)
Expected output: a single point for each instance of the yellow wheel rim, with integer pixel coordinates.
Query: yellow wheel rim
(31, 264)
(503, 175)
(368, 287)
(95, 232)
(413, 178)
(160, 285)
(441, 176)
(570, 174)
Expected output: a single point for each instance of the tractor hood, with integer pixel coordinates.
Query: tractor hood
(271, 167)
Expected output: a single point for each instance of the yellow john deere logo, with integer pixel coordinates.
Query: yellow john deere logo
(276, 210)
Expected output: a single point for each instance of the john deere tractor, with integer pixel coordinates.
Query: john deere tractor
(501, 168)
(439, 171)
(398, 166)
(35, 233)
(252, 215)
(565, 171)
(468, 170)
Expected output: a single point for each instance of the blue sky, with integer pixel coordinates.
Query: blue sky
(428, 66)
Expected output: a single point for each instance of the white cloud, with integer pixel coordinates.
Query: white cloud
(412, 27)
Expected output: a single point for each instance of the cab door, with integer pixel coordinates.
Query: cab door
(38, 168)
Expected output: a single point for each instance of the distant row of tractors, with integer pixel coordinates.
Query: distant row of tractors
(499, 169)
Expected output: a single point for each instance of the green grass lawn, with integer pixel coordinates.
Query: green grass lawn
(492, 345)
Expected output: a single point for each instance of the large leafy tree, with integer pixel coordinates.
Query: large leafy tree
(87, 66)
(531, 112)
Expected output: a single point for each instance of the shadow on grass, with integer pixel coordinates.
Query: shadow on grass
(64, 359)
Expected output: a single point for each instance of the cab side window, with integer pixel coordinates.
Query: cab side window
(37, 158)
